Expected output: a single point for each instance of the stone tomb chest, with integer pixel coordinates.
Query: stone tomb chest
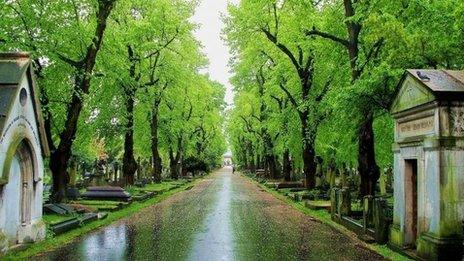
(429, 163)
(22, 145)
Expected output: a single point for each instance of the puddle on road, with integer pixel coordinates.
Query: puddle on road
(215, 242)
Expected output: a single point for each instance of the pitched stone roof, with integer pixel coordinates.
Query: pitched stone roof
(13, 68)
(440, 80)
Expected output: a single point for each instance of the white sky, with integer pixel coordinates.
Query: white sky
(208, 15)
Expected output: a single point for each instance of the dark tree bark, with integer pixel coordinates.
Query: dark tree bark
(174, 164)
(157, 166)
(286, 165)
(269, 157)
(129, 166)
(367, 167)
(304, 66)
(59, 158)
(251, 157)
(309, 165)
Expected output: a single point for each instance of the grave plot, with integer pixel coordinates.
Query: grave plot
(61, 218)
(107, 193)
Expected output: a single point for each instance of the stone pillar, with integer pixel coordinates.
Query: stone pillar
(344, 202)
(381, 222)
(334, 202)
(368, 212)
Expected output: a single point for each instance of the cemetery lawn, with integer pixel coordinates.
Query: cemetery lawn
(168, 189)
(324, 217)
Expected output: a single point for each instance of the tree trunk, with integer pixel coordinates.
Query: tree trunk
(157, 167)
(58, 164)
(179, 167)
(286, 165)
(271, 164)
(60, 157)
(309, 166)
(129, 165)
(269, 159)
(251, 157)
(367, 166)
(173, 164)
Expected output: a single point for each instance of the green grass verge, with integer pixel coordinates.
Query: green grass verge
(51, 219)
(324, 217)
(60, 240)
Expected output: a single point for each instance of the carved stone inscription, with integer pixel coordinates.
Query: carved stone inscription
(416, 127)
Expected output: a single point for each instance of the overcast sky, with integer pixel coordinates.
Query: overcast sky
(208, 15)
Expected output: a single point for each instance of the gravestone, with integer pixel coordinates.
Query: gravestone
(98, 176)
(22, 148)
(72, 191)
(107, 193)
(429, 164)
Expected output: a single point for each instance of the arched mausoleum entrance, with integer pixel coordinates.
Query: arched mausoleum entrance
(19, 208)
(24, 156)
(22, 148)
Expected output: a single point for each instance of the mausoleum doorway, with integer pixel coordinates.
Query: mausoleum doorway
(24, 157)
(410, 182)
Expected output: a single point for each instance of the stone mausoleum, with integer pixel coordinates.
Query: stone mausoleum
(429, 164)
(22, 146)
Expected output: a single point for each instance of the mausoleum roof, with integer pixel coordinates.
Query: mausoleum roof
(440, 80)
(13, 68)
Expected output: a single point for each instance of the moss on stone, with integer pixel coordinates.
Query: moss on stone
(4, 244)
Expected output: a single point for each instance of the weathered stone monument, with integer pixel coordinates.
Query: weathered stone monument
(429, 164)
(22, 145)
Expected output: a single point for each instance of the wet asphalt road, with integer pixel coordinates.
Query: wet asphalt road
(224, 217)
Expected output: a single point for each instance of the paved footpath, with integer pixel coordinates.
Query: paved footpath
(224, 217)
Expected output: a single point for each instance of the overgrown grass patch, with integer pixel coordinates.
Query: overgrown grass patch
(51, 219)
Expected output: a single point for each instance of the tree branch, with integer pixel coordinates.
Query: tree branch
(372, 53)
(282, 47)
(164, 46)
(290, 96)
(324, 91)
(315, 32)
(73, 63)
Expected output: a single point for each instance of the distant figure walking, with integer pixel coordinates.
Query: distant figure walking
(233, 169)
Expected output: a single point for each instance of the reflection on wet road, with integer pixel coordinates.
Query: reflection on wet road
(224, 217)
(215, 240)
